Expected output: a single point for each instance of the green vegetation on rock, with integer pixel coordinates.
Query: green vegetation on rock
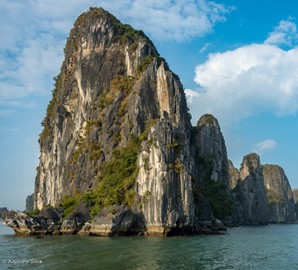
(206, 119)
(216, 192)
(51, 109)
(127, 33)
(34, 213)
(145, 63)
(273, 198)
(116, 182)
(220, 200)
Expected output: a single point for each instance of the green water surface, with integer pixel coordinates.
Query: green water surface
(258, 247)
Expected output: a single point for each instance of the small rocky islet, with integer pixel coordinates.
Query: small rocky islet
(119, 155)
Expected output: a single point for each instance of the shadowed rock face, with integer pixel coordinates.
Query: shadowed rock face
(279, 195)
(30, 203)
(252, 202)
(262, 193)
(211, 148)
(295, 195)
(3, 212)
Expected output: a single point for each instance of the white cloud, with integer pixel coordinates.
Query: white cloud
(33, 34)
(284, 34)
(191, 95)
(205, 47)
(265, 146)
(175, 20)
(246, 81)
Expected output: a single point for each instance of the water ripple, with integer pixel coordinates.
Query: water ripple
(270, 247)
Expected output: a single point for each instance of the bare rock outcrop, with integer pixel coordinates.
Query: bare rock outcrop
(30, 203)
(118, 153)
(279, 195)
(117, 133)
(262, 193)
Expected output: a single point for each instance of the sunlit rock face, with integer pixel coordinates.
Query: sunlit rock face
(118, 132)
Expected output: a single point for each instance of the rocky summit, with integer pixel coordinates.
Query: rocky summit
(119, 155)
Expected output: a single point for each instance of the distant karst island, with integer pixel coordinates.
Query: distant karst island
(119, 155)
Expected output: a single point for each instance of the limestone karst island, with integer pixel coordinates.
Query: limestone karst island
(119, 155)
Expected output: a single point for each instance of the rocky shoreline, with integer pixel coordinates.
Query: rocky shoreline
(119, 221)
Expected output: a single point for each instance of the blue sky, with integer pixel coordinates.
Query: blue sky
(236, 59)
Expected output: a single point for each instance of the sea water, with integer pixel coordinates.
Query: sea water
(248, 247)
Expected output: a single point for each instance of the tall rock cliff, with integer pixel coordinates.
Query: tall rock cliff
(211, 148)
(100, 101)
(118, 148)
(118, 132)
(211, 170)
(279, 195)
(250, 195)
(262, 193)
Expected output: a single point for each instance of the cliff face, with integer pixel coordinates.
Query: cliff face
(234, 175)
(30, 203)
(250, 195)
(279, 195)
(262, 193)
(211, 148)
(118, 132)
(118, 147)
(99, 103)
(211, 169)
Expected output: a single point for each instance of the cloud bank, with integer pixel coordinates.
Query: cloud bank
(249, 80)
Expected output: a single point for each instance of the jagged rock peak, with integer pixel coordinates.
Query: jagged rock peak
(250, 163)
(104, 28)
(118, 128)
(208, 120)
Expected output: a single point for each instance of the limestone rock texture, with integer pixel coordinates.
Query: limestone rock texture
(262, 193)
(252, 206)
(295, 194)
(211, 148)
(279, 195)
(118, 132)
(30, 203)
(119, 155)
